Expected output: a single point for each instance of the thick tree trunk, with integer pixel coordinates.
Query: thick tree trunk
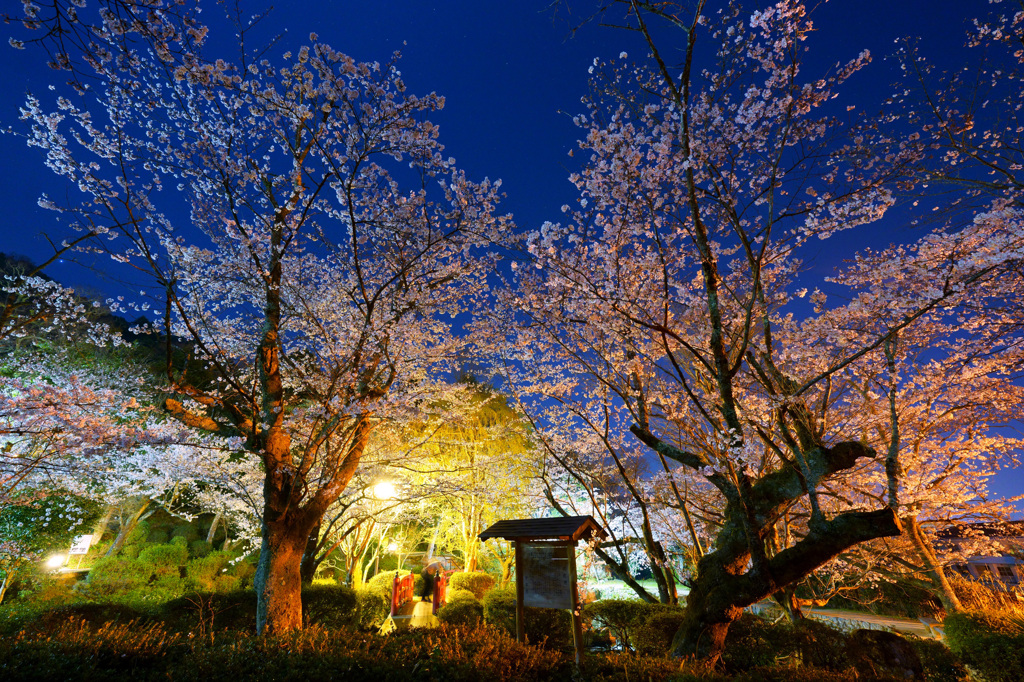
(278, 582)
(786, 598)
(726, 582)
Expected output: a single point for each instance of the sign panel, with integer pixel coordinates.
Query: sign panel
(546, 580)
(80, 545)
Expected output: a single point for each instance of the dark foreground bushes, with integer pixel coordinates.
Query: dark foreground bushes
(991, 643)
(134, 651)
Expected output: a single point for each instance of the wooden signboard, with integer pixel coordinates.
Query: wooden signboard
(546, 580)
(546, 565)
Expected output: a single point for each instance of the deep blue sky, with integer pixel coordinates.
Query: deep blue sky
(513, 76)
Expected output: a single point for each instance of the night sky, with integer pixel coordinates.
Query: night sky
(512, 73)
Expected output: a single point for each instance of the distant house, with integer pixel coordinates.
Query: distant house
(1002, 564)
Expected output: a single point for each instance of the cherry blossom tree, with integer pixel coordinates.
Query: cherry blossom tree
(669, 302)
(266, 203)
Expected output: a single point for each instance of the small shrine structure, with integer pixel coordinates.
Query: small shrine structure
(546, 565)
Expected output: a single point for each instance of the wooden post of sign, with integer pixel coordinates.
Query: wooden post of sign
(520, 593)
(577, 608)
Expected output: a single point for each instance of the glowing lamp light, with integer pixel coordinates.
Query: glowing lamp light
(55, 561)
(392, 547)
(384, 491)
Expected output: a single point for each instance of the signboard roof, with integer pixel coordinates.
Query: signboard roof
(569, 528)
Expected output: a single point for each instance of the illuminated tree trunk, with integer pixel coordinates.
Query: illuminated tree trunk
(278, 580)
(944, 591)
(122, 533)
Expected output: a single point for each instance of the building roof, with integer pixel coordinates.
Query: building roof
(989, 529)
(570, 528)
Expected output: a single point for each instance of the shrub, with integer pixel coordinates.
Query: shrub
(990, 642)
(372, 606)
(753, 642)
(626, 617)
(136, 540)
(551, 627)
(330, 606)
(476, 582)
(228, 610)
(382, 582)
(468, 612)
(654, 636)
(113, 575)
(197, 549)
(165, 556)
(158, 537)
(939, 663)
(186, 531)
(205, 574)
(460, 595)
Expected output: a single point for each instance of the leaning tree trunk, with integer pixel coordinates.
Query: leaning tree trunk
(943, 590)
(739, 572)
(726, 582)
(126, 528)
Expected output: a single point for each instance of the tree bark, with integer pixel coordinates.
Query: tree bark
(127, 528)
(212, 533)
(278, 581)
(941, 587)
(310, 561)
(725, 585)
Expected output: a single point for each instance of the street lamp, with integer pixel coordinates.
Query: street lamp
(384, 491)
(56, 561)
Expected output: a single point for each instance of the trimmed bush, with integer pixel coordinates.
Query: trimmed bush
(113, 575)
(753, 642)
(207, 574)
(460, 595)
(468, 612)
(625, 618)
(330, 606)
(476, 582)
(197, 549)
(550, 627)
(165, 556)
(136, 541)
(654, 636)
(187, 531)
(372, 606)
(990, 642)
(158, 537)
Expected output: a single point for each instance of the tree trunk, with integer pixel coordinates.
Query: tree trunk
(212, 533)
(278, 582)
(787, 599)
(100, 529)
(727, 582)
(943, 590)
(127, 528)
(706, 620)
(310, 562)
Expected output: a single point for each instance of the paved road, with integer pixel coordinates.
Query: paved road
(859, 620)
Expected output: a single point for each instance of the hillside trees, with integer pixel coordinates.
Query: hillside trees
(669, 302)
(266, 205)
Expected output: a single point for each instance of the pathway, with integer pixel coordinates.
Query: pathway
(846, 620)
